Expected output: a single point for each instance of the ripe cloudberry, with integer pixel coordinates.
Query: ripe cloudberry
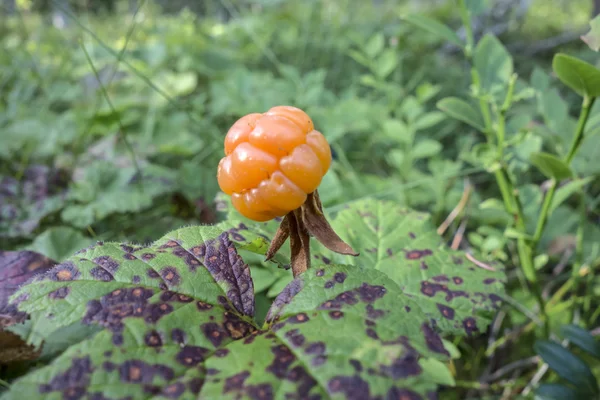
(274, 163)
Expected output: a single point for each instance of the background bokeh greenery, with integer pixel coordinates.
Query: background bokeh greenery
(112, 123)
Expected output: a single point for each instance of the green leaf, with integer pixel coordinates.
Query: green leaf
(398, 131)
(592, 38)
(59, 242)
(493, 62)
(579, 75)
(426, 148)
(176, 318)
(24, 202)
(404, 244)
(435, 27)
(567, 365)
(386, 63)
(567, 190)
(429, 120)
(582, 339)
(462, 111)
(551, 166)
(107, 189)
(438, 371)
(375, 45)
(540, 80)
(556, 391)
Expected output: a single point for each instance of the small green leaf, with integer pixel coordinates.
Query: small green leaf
(540, 261)
(551, 166)
(513, 233)
(375, 45)
(582, 339)
(438, 371)
(567, 365)
(428, 120)
(540, 80)
(398, 131)
(386, 63)
(462, 111)
(59, 242)
(582, 77)
(359, 58)
(566, 191)
(493, 62)
(425, 148)
(452, 349)
(435, 27)
(592, 38)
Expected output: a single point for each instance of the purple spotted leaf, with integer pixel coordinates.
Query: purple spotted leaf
(336, 332)
(163, 310)
(404, 244)
(17, 267)
(176, 321)
(461, 296)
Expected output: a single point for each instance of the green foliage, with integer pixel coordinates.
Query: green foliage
(177, 316)
(480, 132)
(580, 76)
(568, 366)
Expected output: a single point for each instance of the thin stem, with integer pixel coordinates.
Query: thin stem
(588, 102)
(122, 132)
(509, 194)
(577, 139)
(466, 20)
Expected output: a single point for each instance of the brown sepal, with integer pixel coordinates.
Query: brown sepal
(299, 225)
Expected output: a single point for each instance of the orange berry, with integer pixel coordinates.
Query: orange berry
(272, 162)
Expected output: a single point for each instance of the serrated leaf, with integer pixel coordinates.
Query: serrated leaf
(582, 339)
(551, 166)
(493, 62)
(462, 111)
(435, 27)
(405, 245)
(592, 38)
(177, 316)
(310, 352)
(567, 365)
(579, 75)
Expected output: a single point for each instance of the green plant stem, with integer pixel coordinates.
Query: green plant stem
(510, 195)
(466, 20)
(580, 233)
(577, 139)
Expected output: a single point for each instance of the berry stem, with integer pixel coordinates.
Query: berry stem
(299, 225)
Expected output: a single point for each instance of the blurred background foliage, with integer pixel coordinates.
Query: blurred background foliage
(113, 114)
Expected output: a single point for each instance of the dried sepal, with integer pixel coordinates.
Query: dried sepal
(299, 225)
